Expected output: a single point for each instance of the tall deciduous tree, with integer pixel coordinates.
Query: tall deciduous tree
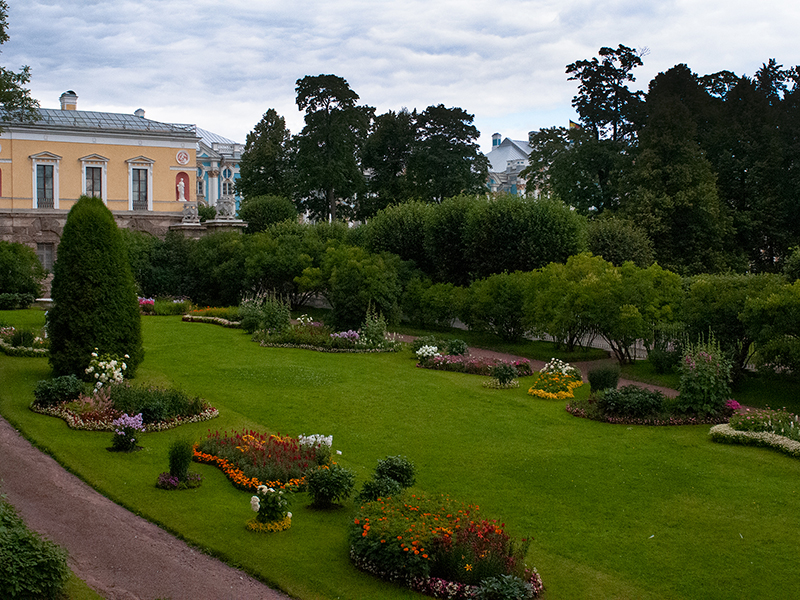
(267, 161)
(446, 159)
(94, 293)
(329, 147)
(15, 99)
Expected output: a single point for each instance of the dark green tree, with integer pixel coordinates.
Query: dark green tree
(400, 230)
(267, 163)
(619, 241)
(15, 99)
(262, 211)
(94, 293)
(385, 157)
(20, 270)
(329, 147)
(446, 159)
(446, 242)
(607, 107)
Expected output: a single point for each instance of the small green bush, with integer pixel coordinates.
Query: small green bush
(457, 347)
(23, 338)
(664, 361)
(381, 487)
(504, 587)
(31, 567)
(166, 307)
(630, 401)
(603, 378)
(705, 379)
(181, 453)
(398, 468)
(49, 392)
(329, 485)
(155, 404)
(10, 301)
(267, 312)
(503, 372)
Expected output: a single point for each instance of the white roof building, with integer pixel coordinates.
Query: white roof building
(506, 160)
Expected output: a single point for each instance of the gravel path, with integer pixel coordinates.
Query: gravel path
(120, 555)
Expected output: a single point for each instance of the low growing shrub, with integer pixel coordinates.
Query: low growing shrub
(126, 432)
(30, 565)
(329, 485)
(154, 404)
(181, 452)
(630, 401)
(380, 487)
(605, 377)
(503, 372)
(49, 392)
(504, 587)
(398, 468)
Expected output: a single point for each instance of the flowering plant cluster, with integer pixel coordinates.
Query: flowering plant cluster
(705, 379)
(346, 335)
(271, 506)
(779, 422)
(559, 366)
(427, 352)
(555, 386)
(19, 342)
(724, 433)
(250, 458)
(126, 431)
(147, 305)
(304, 320)
(100, 418)
(106, 369)
(436, 545)
(172, 482)
(473, 365)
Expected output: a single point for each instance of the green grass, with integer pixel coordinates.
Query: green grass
(615, 511)
(30, 318)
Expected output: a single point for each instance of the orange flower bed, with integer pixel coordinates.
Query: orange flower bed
(239, 479)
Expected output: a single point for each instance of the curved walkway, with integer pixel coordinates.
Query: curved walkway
(120, 555)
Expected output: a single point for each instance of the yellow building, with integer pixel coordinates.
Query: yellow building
(143, 170)
(132, 163)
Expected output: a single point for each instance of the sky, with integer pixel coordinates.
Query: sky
(221, 64)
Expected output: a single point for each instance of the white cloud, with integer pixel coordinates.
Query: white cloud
(222, 64)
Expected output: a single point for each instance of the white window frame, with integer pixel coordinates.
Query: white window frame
(95, 160)
(44, 159)
(140, 162)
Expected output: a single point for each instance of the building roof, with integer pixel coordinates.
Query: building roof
(507, 151)
(87, 120)
(209, 138)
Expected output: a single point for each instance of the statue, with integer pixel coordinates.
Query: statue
(190, 214)
(181, 190)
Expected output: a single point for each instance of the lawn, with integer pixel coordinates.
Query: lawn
(615, 511)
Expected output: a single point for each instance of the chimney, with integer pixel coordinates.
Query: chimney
(139, 112)
(69, 100)
(496, 139)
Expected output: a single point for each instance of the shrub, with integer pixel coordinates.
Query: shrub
(398, 468)
(126, 432)
(23, 338)
(30, 565)
(180, 458)
(49, 392)
(275, 313)
(603, 378)
(503, 372)
(381, 487)
(21, 273)
(95, 304)
(262, 211)
(15, 301)
(705, 379)
(373, 331)
(154, 404)
(270, 504)
(630, 401)
(504, 587)
(328, 485)
(167, 306)
(106, 369)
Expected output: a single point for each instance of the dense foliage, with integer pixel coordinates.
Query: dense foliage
(21, 274)
(95, 303)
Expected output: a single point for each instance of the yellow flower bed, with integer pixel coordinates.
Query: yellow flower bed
(274, 526)
(555, 386)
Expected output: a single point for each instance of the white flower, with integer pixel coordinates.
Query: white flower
(94, 354)
(288, 514)
(255, 503)
(339, 452)
(126, 356)
(263, 489)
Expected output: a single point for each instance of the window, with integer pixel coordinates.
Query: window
(45, 196)
(140, 183)
(200, 193)
(139, 189)
(45, 180)
(94, 182)
(46, 252)
(227, 188)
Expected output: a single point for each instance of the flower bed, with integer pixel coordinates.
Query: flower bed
(437, 546)
(213, 320)
(429, 359)
(726, 434)
(585, 410)
(23, 343)
(557, 381)
(103, 422)
(250, 459)
(311, 335)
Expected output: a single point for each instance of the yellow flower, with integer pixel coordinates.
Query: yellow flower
(468, 567)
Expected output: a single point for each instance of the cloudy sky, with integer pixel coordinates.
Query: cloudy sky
(222, 64)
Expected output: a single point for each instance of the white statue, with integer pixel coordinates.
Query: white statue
(181, 190)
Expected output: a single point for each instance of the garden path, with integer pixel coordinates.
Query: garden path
(120, 555)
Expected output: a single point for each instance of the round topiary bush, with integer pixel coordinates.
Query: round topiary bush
(95, 304)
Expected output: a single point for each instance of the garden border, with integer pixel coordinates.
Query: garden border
(725, 434)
